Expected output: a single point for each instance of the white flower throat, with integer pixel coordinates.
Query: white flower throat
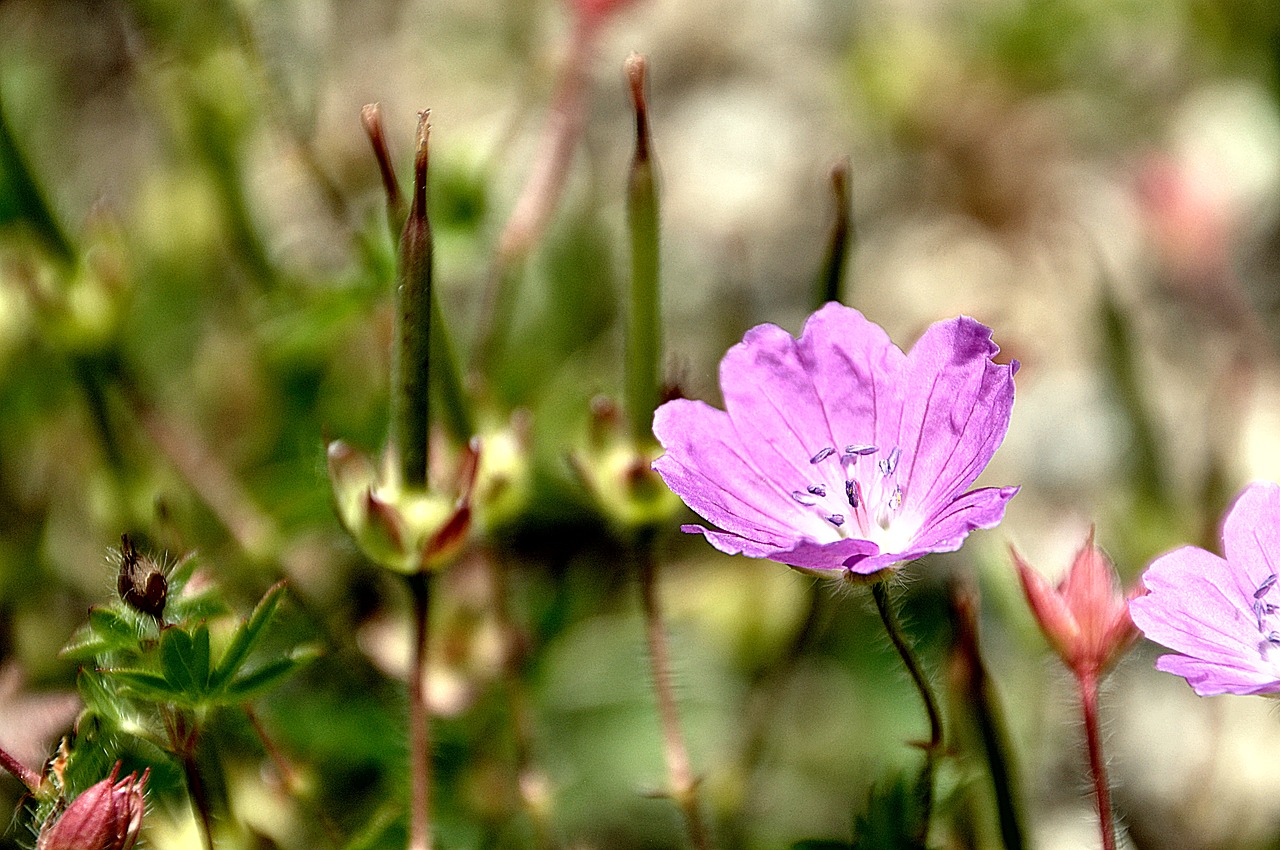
(859, 497)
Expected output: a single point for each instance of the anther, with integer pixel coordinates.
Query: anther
(817, 490)
(895, 498)
(1273, 638)
(1266, 585)
(822, 455)
(852, 491)
(890, 463)
(803, 498)
(860, 450)
(836, 519)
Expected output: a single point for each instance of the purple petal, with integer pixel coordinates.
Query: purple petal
(1195, 606)
(956, 412)
(1251, 533)
(856, 373)
(775, 408)
(1208, 678)
(947, 529)
(707, 467)
(806, 554)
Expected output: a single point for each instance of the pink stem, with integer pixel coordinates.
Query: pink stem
(1097, 764)
(25, 775)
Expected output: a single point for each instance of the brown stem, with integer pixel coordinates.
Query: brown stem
(530, 782)
(682, 786)
(24, 774)
(419, 718)
(199, 799)
(1097, 764)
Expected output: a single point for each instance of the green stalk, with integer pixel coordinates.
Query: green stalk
(447, 375)
(831, 279)
(31, 202)
(933, 747)
(975, 683)
(644, 324)
(411, 372)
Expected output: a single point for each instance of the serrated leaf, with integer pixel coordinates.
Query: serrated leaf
(106, 631)
(261, 680)
(246, 636)
(149, 686)
(176, 657)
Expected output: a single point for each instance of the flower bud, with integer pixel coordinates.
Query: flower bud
(141, 582)
(1086, 617)
(108, 816)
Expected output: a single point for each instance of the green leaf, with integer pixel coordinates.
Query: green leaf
(107, 631)
(149, 686)
(263, 679)
(246, 637)
(179, 660)
(893, 817)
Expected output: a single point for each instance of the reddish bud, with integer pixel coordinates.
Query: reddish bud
(108, 816)
(1086, 617)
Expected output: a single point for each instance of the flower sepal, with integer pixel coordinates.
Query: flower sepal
(402, 529)
(619, 474)
(108, 816)
(1086, 617)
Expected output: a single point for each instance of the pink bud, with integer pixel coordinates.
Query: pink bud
(1086, 617)
(108, 816)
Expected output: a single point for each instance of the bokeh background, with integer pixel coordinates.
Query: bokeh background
(195, 284)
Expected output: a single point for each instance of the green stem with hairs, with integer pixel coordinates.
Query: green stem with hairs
(933, 747)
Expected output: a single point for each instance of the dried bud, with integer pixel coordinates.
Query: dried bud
(1086, 617)
(108, 816)
(141, 581)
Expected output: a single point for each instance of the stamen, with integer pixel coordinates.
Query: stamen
(853, 492)
(860, 450)
(895, 498)
(890, 463)
(1273, 638)
(817, 490)
(822, 454)
(836, 519)
(1266, 585)
(803, 498)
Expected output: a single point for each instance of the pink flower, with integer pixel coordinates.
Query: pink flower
(1221, 616)
(1086, 617)
(838, 454)
(108, 816)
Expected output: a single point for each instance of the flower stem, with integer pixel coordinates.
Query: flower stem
(682, 787)
(21, 772)
(971, 672)
(199, 794)
(1097, 764)
(933, 747)
(419, 717)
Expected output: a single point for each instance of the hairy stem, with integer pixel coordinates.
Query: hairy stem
(933, 747)
(419, 717)
(24, 774)
(1097, 764)
(681, 784)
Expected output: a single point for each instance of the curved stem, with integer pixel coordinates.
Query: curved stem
(682, 787)
(21, 772)
(419, 718)
(932, 748)
(1097, 764)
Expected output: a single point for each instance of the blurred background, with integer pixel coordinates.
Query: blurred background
(195, 294)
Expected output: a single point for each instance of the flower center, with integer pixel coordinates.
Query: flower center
(858, 498)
